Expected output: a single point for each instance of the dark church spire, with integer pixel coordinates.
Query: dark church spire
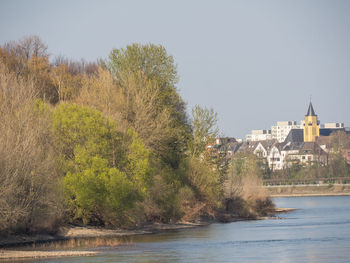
(310, 111)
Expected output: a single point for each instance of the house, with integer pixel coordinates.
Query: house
(346, 152)
(227, 146)
(275, 159)
(303, 153)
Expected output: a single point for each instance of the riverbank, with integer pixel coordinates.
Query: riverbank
(70, 237)
(308, 190)
(20, 247)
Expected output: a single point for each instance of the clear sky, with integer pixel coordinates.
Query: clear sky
(254, 62)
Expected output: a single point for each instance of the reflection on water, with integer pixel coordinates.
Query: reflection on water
(319, 231)
(81, 243)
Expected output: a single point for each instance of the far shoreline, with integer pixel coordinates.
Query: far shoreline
(309, 195)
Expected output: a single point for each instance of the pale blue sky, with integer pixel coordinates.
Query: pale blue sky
(254, 62)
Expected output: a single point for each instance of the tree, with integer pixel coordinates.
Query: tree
(106, 171)
(148, 71)
(67, 85)
(30, 192)
(39, 70)
(243, 186)
(151, 59)
(205, 130)
(16, 54)
(338, 166)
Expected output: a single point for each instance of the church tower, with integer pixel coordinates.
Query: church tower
(311, 126)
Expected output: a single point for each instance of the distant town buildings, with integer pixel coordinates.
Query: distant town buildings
(278, 132)
(287, 143)
(282, 129)
(259, 135)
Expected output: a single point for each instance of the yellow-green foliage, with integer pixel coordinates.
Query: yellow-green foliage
(100, 185)
(139, 165)
(76, 125)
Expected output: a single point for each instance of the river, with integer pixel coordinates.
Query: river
(319, 231)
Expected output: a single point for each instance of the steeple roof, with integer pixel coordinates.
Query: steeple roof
(310, 111)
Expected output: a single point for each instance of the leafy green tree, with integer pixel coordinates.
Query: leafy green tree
(151, 59)
(133, 67)
(139, 162)
(205, 130)
(96, 191)
(76, 125)
(104, 177)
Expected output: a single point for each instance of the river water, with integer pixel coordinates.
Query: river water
(319, 231)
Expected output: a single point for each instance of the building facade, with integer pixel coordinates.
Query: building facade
(282, 129)
(259, 135)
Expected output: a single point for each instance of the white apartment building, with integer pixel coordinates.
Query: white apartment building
(332, 125)
(259, 135)
(282, 129)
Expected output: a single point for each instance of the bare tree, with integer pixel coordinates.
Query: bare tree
(29, 196)
(27, 47)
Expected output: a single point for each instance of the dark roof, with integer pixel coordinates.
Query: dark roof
(295, 135)
(234, 147)
(304, 147)
(267, 144)
(328, 131)
(310, 111)
(312, 147)
(290, 146)
(324, 140)
(248, 146)
(225, 140)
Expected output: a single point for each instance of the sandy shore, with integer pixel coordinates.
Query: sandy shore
(19, 254)
(44, 246)
(25, 247)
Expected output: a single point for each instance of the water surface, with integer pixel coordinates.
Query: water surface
(319, 231)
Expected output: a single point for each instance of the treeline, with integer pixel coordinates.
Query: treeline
(107, 143)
